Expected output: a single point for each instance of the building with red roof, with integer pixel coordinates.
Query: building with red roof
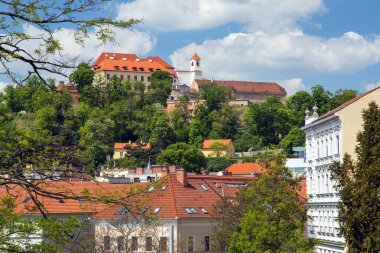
(215, 148)
(120, 148)
(129, 66)
(245, 169)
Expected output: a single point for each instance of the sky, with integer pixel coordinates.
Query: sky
(296, 43)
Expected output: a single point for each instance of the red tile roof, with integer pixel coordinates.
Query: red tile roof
(245, 169)
(130, 63)
(175, 198)
(344, 105)
(208, 143)
(195, 57)
(249, 87)
(122, 145)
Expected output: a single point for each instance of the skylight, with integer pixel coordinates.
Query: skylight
(122, 211)
(151, 189)
(190, 210)
(142, 211)
(203, 187)
(203, 210)
(60, 200)
(155, 211)
(26, 200)
(164, 187)
(236, 185)
(217, 185)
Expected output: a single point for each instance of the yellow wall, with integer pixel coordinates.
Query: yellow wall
(211, 153)
(351, 118)
(125, 74)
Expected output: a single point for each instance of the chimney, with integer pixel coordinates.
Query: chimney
(172, 168)
(164, 172)
(182, 177)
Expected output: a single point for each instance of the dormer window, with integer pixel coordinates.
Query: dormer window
(151, 69)
(142, 211)
(125, 67)
(116, 67)
(122, 211)
(155, 211)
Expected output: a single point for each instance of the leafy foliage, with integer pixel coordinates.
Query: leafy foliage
(267, 216)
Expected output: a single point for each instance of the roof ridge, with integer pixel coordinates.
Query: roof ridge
(174, 196)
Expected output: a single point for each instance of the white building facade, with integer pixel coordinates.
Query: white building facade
(328, 138)
(323, 147)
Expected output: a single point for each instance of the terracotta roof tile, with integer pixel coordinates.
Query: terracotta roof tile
(245, 168)
(267, 88)
(208, 143)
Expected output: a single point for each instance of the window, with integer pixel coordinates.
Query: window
(148, 243)
(190, 210)
(322, 146)
(155, 211)
(151, 189)
(236, 185)
(121, 77)
(129, 77)
(26, 200)
(120, 243)
(148, 78)
(135, 243)
(318, 150)
(203, 187)
(121, 154)
(107, 242)
(142, 78)
(108, 76)
(203, 210)
(163, 244)
(135, 78)
(337, 144)
(142, 211)
(327, 148)
(122, 211)
(198, 63)
(190, 243)
(192, 63)
(207, 243)
(164, 187)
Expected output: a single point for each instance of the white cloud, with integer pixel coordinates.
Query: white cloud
(171, 15)
(293, 85)
(125, 41)
(265, 57)
(371, 86)
(2, 86)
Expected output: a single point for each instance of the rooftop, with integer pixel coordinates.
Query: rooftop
(245, 169)
(268, 88)
(208, 143)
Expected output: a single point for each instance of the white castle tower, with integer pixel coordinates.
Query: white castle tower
(195, 68)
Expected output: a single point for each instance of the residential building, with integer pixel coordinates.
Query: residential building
(328, 138)
(184, 207)
(245, 169)
(120, 148)
(130, 67)
(216, 148)
(297, 165)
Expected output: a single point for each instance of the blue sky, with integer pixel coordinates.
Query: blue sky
(297, 43)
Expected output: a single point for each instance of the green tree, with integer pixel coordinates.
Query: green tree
(190, 158)
(320, 97)
(299, 103)
(160, 87)
(267, 216)
(215, 164)
(340, 97)
(359, 184)
(218, 148)
(295, 138)
(161, 133)
(246, 141)
(269, 120)
(214, 95)
(83, 76)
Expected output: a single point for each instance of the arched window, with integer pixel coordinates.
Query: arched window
(192, 63)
